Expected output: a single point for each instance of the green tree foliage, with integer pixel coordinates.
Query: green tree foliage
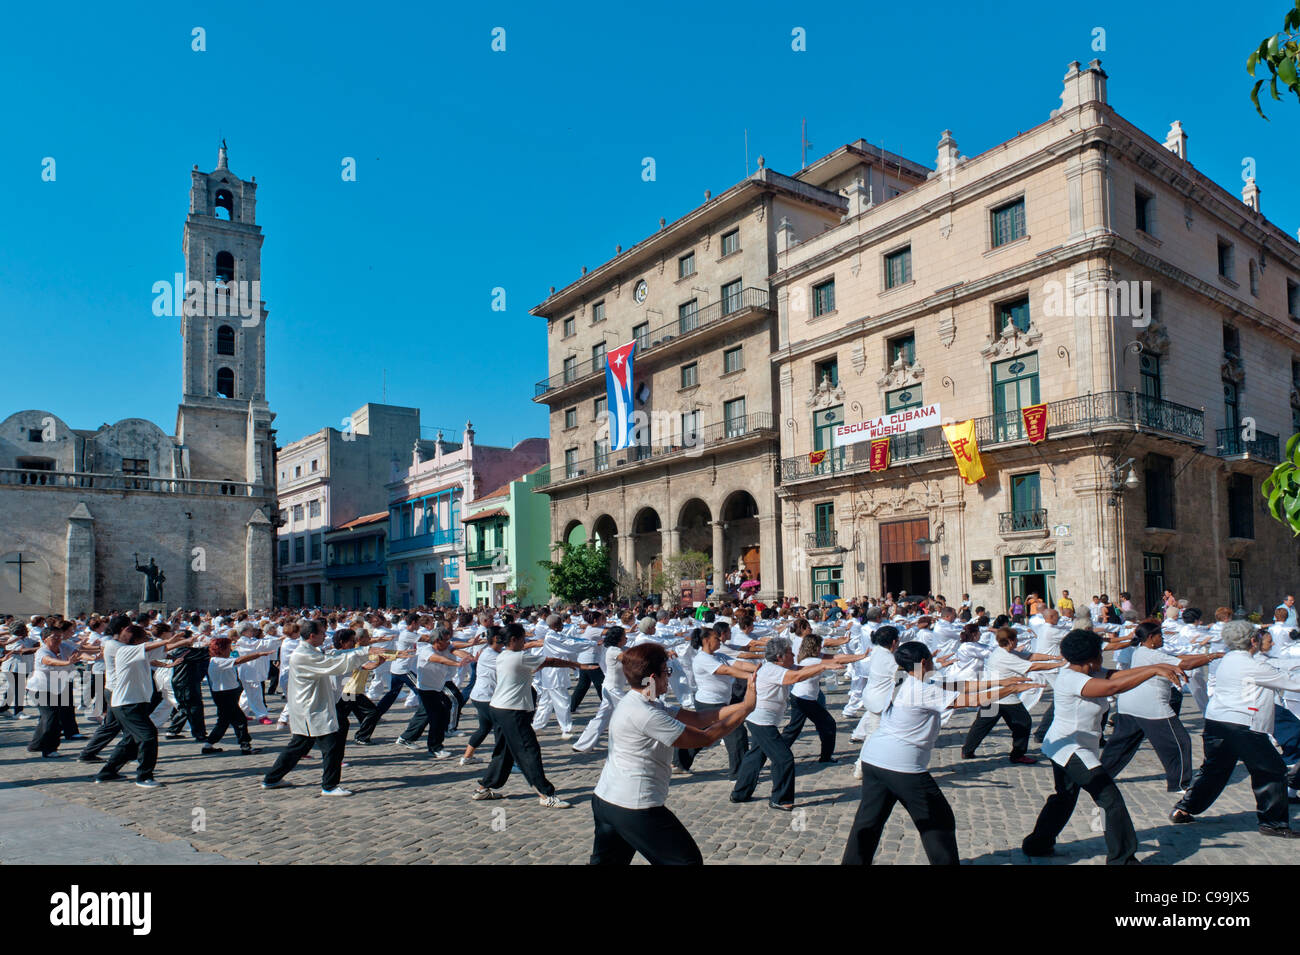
(1282, 488)
(1281, 54)
(580, 573)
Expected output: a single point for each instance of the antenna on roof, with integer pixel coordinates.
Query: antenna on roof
(804, 144)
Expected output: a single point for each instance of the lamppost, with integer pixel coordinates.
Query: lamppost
(1119, 484)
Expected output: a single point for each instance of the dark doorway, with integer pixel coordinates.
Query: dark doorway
(430, 585)
(912, 576)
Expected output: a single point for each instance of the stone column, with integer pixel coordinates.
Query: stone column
(257, 561)
(79, 573)
(672, 543)
(627, 552)
(769, 558)
(719, 559)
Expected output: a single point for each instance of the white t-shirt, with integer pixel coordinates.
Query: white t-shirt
(808, 689)
(773, 695)
(615, 679)
(485, 677)
(134, 675)
(908, 727)
(881, 671)
(711, 688)
(223, 674)
(406, 640)
(1002, 664)
(638, 768)
(515, 669)
(1076, 722)
(1149, 700)
(110, 648)
(429, 673)
(44, 677)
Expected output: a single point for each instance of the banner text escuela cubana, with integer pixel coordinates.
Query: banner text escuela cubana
(899, 422)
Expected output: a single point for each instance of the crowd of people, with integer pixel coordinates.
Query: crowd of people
(738, 672)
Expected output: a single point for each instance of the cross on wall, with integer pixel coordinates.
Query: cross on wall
(20, 562)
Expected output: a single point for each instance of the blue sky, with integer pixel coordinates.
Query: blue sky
(479, 170)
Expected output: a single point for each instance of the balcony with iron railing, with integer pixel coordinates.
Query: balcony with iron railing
(758, 424)
(1105, 411)
(481, 559)
(437, 538)
(684, 327)
(31, 477)
(1264, 447)
(362, 568)
(1025, 521)
(821, 539)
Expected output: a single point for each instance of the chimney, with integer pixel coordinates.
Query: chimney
(1250, 194)
(859, 198)
(1176, 140)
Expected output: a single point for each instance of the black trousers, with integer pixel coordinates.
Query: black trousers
(1121, 840)
(106, 732)
(765, 742)
(229, 715)
(802, 710)
(1014, 715)
(331, 752)
(435, 713)
(48, 733)
(68, 717)
(1168, 737)
(484, 725)
(366, 712)
(189, 709)
(924, 802)
(515, 743)
(395, 683)
(655, 833)
(586, 678)
(1045, 723)
(1225, 744)
(16, 691)
(457, 699)
(139, 736)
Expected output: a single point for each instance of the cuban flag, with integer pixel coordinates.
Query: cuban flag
(618, 384)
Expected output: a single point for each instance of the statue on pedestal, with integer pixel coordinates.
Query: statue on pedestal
(153, 580)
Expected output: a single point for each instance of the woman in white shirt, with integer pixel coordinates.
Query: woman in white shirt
(1148, 712)
(896, 758)
(807, 700)
(718, 676)
(1004, 662)
(773, 682)
(51, 685)
(611, 689)
(1238, 723)
(1073, 743)
(881, 670)
(480, 695)
(14, 667)
(628, 805)
(226, 686)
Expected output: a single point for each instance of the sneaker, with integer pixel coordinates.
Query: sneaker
(51, 755)
(1179, 817)
(363, 742)
(90, 759)
(336, 791)
(968, 756)
(77, 736)
(552, 802)
(282, 784)
(566, 736)
(405, 744)
(209, 750)
(482, 793)
(174, 736)
(466, 760)
(682, 771)
(857, 769)
(1024, 760)
(440, 754)
(266, 721)
(248, 750)
(112, 777)
(148, 784)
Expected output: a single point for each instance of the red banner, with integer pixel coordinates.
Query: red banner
(816, 457)
(1035, 422)
(880, 455)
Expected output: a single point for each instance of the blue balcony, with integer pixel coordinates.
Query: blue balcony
(368, 568)
(432, 539)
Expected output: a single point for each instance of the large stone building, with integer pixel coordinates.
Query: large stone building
(1013, 278)
(80, 508)
(695, 297)
(426, 536)
(329, 479)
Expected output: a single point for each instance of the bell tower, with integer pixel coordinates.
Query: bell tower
(224, 422)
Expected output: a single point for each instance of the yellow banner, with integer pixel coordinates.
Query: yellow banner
(961, 439)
